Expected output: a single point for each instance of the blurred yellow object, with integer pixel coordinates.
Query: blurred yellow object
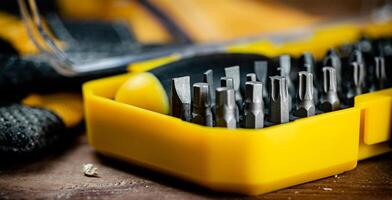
(68, 106)
(13, 31)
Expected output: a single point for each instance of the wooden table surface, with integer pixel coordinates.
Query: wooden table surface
(59, 175)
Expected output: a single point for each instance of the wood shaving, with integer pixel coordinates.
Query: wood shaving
(327, 189)
(90, 170)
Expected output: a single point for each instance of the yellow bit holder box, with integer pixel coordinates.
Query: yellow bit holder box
(242, 161)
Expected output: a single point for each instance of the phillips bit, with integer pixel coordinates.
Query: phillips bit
(180, 104)
(279, 100)
(356, 83)
(227, 82)
(306, 106)
(226, 108)
(234, 73)
(250, 77)
(332, 59)
(380, 73)
(201, 110)
(261, 71)
(307, 63)
(358, 77)
(208, 77)
(330, 100)
(254, 111)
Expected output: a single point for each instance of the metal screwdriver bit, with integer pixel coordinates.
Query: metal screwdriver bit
(234, 73)
(254, 111)
(330, 100)
(261, 71)
(251, 77)
(279, 100)
(208, 77)
(226, 108)
(332, 59)
(380, 73)
(358, 77)
(201, 105)
(227, 82)
(180, 104)
(306, 61)
(306, 106)
(285, 69)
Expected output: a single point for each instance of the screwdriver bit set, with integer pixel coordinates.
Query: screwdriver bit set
(255, 118)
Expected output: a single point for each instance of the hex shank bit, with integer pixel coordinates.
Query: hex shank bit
(306, 106)
(180, 104)
(254, 111)
(330, 100)
(279, 100)
(201, 105)
(226, 108)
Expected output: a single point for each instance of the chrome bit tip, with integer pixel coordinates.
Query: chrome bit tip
(234, 73)
(254, 111)
(306, 106)
(261, 70)
(307, 62)
(381, 76)
(330, 100)
(279, 100)
(180, 104)
(200, 95)
(358, 70)
(201, 112)
(284, 65)
(251, 77)
(208, 77)
(226, 108)
(227, 82)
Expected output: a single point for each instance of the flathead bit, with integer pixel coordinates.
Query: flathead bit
(306, 61)
(254, 111)
(201, 112)
(251, 77)
(227, 82)
(208, 77)
(180, 104)
(234, 73)
(261, 71)
(330, 100)
(380, 73)
(279, 100)
(226, 108)
(306, 106)
(332, 59)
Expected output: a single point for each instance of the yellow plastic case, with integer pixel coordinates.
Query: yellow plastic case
(241, 160)
(245, 161)
(376, 119)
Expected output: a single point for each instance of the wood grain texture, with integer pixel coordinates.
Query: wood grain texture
(60, 176)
